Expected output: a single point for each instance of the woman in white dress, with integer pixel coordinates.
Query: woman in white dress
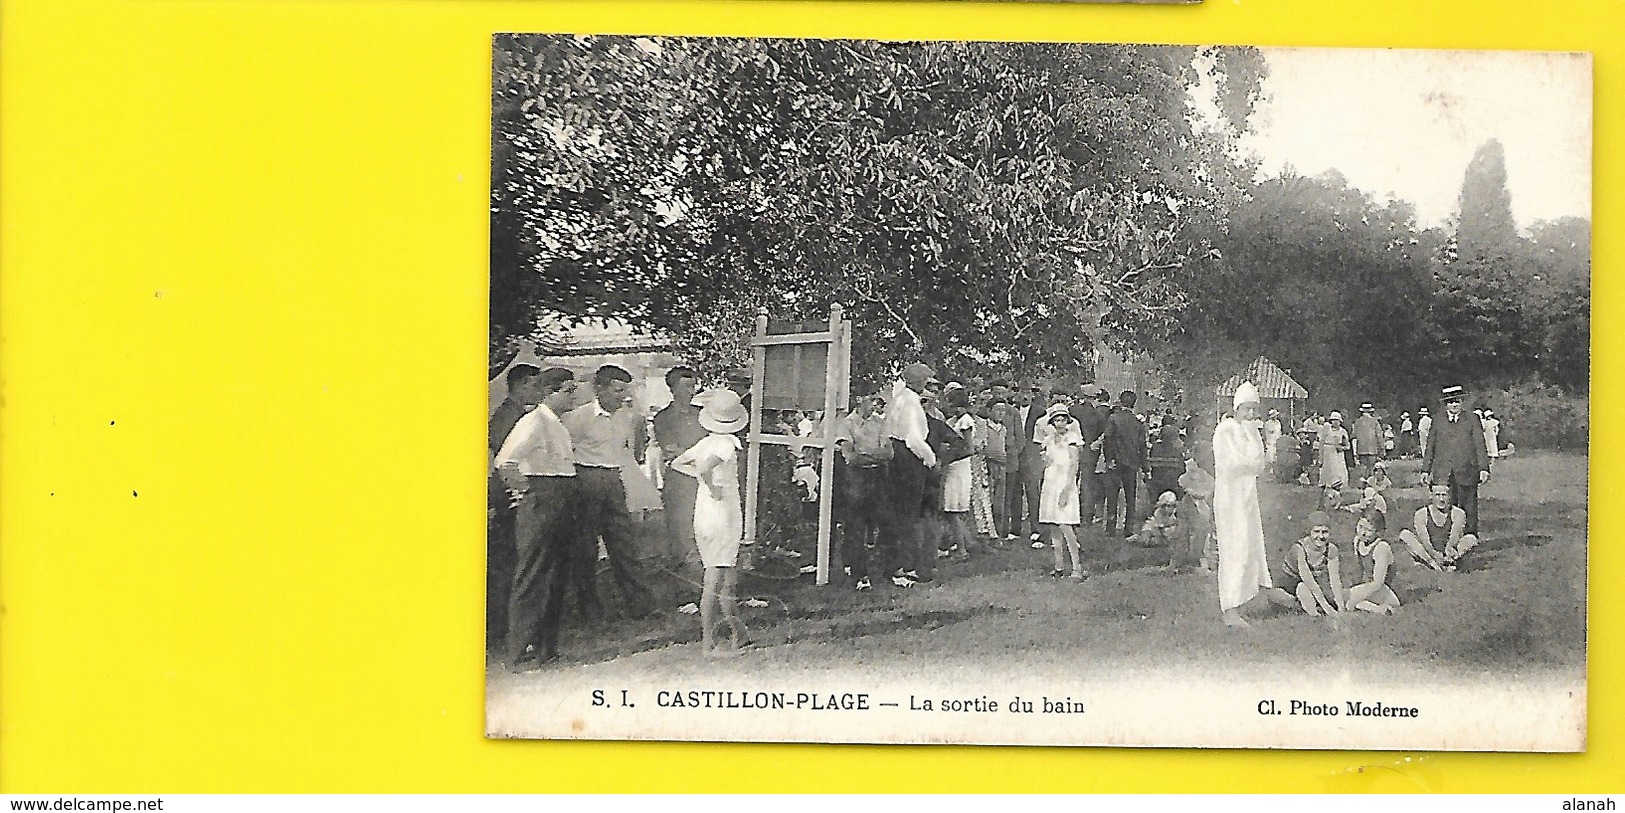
(718, 520)
(1058, 506)
(957, 491)
(1238, 459)
(1334, 442)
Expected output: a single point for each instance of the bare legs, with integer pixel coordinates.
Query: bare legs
(1064, 542)
(1373, 597)
(1423, 553)
(718, 597)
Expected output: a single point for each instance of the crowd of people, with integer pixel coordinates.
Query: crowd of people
(928, 471)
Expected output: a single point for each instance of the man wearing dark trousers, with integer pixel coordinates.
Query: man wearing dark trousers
(1125, 459)
(1010, 418)
(499, 526)
(604, 432)
(677, 428)
(1092, 417)
(537, 460)
(1456, 456)
(865, 452)
(907, 429)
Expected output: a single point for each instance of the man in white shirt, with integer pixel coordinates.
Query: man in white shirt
(907, 428)
(538, 460)
(605, 433)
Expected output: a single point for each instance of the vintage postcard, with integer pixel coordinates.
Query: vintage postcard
(1040, 393)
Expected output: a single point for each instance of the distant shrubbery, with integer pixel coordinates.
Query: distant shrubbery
(1538, 415)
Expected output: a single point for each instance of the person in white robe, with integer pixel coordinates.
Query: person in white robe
(1238, 458)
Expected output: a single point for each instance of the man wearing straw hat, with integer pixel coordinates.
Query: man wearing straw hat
(1238, 459)
(1456, 456)
(1367, 438)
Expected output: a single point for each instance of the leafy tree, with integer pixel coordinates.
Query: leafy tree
(1325, 281)
(977, 203)
(1559, 255)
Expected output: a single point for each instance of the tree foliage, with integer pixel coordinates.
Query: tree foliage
(1325, 281)
(996, 207)
(974, 203)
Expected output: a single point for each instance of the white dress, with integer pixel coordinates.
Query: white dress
(956, 478)
(1058, 493)
(719, 523)
(1334, 468)
(1238, 459)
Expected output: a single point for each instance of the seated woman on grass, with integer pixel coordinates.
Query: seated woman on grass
(1375, 593)
(1310, 576)
(1438, 523)
(1372, 507)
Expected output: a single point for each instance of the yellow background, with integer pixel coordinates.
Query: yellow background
(242, 362)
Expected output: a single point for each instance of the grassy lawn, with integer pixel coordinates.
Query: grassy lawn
(1517, 606)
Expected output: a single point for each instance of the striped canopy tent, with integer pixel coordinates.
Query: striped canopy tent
(1276, 389)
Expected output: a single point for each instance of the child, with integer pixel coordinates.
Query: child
(1198, 510)
(1059, 509)
(1372, 504)
(1165, 529)
(1310, 577)
(1375, 592)
(1379, 477)
(718, 522)
(957, 480)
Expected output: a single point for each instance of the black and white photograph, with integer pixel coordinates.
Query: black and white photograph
(1038, 394)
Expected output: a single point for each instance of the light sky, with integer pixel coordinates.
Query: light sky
(1404, 124)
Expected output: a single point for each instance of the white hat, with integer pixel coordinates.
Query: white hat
(1167, 498)
(1335, 416)
(723, 413)
(1245, 394)
(1055, 411)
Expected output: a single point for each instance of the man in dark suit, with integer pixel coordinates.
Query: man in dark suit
(1456, 456)
(1092, 414)
(1125, 459)
(1032, 463)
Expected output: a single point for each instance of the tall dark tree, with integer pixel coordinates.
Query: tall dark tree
(1484, 226)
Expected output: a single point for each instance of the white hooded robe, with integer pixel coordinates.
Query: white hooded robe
(1238, 459)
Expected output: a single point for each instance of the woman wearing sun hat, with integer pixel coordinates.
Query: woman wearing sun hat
(1058, 501)
(718, 519)
(1334, 443)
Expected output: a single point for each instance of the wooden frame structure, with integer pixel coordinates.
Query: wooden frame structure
(837, 338)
